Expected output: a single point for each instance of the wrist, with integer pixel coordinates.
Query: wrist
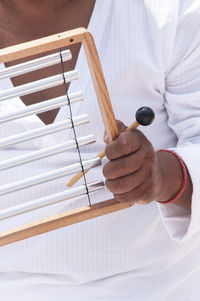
(173, 176)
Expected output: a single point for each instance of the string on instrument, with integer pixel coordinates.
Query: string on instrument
(73, 128)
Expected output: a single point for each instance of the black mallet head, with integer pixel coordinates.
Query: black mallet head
(145, 116)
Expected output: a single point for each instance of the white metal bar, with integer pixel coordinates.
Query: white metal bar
(46, 152)
(49, 176)
(38, 85)
(42, 131)
(41, 107)
(52, 199)
(36, 64)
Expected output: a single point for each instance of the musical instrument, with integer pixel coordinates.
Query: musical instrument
(37, 47)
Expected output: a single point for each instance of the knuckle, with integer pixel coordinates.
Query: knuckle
(122, 198)
(121, 126)
(109, 185)
(124, 144)
(111, 170)
(115, 186)
(107, 170)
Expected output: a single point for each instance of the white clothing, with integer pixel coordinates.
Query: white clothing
(150, 56)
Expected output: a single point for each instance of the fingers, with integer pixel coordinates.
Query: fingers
(124, 166)
(121, 126)
(131, 174)
(128, 142)
(138, 195)
(127, 183)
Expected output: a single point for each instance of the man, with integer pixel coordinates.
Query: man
(136, 254)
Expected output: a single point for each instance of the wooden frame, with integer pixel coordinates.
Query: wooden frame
(80, 35)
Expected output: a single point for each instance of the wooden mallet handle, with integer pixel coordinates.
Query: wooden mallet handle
(144, 116)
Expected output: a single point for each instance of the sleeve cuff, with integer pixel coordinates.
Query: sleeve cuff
(180, 223)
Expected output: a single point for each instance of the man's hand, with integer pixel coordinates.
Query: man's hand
(136, 173)
(133, 173)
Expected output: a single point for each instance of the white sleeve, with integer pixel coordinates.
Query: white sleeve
(182, 101)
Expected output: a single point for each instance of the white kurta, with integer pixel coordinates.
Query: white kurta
(150, 55)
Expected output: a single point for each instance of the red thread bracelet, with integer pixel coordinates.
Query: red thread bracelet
(184, 182)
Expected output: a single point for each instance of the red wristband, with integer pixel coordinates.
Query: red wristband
(184, 181)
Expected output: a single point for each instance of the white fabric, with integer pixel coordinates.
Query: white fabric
(150, 56)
